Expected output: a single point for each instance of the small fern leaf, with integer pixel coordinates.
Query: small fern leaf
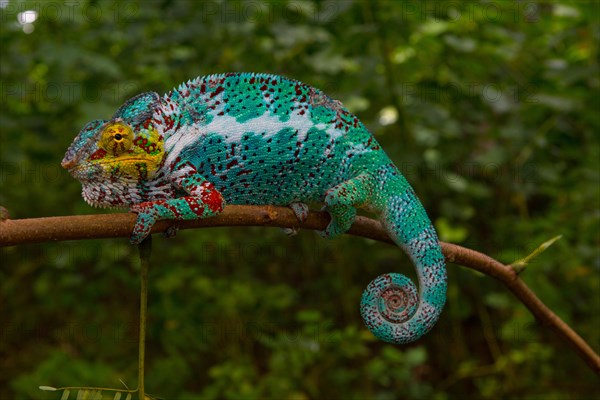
(128, 396)
(117, 396)
(65, 394)
(48, 388)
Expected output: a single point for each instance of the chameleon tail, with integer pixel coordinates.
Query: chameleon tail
(390, 306)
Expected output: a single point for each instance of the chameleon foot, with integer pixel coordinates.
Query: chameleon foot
(342, 218)
(340, 202)
(301, 211)
(146, 218)
(171, 231)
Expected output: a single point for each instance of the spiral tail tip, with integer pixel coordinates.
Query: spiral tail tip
(387, 304)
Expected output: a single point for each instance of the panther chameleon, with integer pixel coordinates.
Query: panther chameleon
(246, 138)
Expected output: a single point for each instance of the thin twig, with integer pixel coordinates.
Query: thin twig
(145, 248)
(36, 230)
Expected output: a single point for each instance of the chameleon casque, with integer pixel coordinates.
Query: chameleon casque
(244, 138)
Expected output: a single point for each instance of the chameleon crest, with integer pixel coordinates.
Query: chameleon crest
(263, 139)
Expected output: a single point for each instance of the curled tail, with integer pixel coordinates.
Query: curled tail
(390, 306)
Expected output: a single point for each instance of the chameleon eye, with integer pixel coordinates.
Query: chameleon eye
(116, 138)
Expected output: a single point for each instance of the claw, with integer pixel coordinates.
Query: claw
(171, 231)
(301, 211)
(290, 231)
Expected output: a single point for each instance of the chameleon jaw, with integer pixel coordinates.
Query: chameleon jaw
(120, 194)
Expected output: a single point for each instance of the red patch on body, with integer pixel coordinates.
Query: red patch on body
(211, 197)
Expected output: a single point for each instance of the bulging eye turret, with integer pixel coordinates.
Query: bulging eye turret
(117, 138)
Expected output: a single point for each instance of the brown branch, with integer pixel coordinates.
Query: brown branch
(36, 230)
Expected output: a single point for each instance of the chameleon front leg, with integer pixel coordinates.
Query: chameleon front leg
(203, 200)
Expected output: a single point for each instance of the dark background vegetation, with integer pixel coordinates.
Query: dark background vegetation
(490, 109)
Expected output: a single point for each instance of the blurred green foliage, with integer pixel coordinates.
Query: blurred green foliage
(490, 109)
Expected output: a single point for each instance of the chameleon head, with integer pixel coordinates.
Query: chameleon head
(114, 158)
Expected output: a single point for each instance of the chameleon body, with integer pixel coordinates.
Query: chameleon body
(243, 138)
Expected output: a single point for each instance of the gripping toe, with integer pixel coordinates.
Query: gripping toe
(300, 210)
(143, 226)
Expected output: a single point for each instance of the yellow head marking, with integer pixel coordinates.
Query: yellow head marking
(123, 153)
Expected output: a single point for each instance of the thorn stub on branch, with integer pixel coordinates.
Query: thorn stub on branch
(520, 265)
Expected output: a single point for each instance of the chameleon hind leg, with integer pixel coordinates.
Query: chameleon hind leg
(341, 202)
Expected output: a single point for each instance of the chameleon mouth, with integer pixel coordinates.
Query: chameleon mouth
(71, 159)
(74, 165)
